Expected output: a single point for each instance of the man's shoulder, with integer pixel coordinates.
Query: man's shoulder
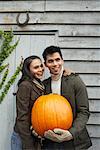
(76, 79)
(72, 76)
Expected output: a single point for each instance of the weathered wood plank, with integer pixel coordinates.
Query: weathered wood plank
(69, 5)
(79, 30)
(63, 30)
(91, 79)
(83, 67)
(94, 130)
(94, 104)
(54, 18)
(79, 42)
(9, 6)
(73, 5)
(81, 54)
(95, 144)
(94, 118)
(94, 93)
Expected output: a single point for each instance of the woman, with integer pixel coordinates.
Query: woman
(30, 88)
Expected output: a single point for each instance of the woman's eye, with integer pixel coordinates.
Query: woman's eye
(36, 67)
(57, 59)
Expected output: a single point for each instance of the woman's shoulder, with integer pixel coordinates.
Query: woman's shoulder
(25, 83)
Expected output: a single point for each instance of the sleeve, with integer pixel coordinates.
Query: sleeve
(82, 108)
(23, 116)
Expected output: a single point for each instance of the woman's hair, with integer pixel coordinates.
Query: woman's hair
(26, 74)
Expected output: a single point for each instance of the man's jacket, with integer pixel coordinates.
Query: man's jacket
(74, 90)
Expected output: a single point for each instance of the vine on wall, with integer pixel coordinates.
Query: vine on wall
(6, 48)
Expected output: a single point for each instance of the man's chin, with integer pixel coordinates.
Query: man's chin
(55, 73)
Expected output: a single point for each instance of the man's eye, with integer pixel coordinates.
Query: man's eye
(57, 59)
(50, 61)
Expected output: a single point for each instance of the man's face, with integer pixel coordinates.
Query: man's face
(54, 62)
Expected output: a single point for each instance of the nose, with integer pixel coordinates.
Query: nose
(55, 63)
(41, 69)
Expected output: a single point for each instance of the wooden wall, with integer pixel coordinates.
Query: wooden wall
(76, 27)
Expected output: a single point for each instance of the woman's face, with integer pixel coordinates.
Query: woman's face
(37, 68)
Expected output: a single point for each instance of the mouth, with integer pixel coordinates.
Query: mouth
(40, 74)
(55, 69)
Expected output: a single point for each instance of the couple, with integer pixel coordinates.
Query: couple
(30, 88)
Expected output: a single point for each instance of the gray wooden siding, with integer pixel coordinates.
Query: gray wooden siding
(74, 25)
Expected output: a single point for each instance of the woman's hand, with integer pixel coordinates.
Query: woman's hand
(35, 133)
(67, 72)
(58, 135)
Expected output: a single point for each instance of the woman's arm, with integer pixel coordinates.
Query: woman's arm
(23, 115)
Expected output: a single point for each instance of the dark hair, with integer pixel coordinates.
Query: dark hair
(25, 69)
(50, 50)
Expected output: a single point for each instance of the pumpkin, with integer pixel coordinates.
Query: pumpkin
(51, 111)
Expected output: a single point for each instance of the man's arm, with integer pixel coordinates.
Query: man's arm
(82, 108)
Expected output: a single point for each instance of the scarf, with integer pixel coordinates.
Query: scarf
(39, 84)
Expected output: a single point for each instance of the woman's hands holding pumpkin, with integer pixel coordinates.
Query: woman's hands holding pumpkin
(58, 135)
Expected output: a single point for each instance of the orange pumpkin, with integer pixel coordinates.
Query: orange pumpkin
(51, 111)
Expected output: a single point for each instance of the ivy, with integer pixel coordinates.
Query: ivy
(3, 67)
(10, 82)
(4, 78)
(6, 48)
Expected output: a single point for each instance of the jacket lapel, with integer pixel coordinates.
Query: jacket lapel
(63, 82)
(36, 89)
(48, 86)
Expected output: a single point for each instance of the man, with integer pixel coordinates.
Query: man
(72, 88)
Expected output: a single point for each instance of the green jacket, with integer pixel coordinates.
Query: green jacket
(73, 88)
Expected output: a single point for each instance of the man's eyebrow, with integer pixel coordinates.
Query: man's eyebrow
(50, 59)
(57, 58)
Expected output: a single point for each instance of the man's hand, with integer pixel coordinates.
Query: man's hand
(58, 135)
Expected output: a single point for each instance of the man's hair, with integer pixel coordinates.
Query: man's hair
(50, 50)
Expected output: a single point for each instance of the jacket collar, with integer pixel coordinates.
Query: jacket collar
(37, 88)
(48, 86)
(63, 82)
